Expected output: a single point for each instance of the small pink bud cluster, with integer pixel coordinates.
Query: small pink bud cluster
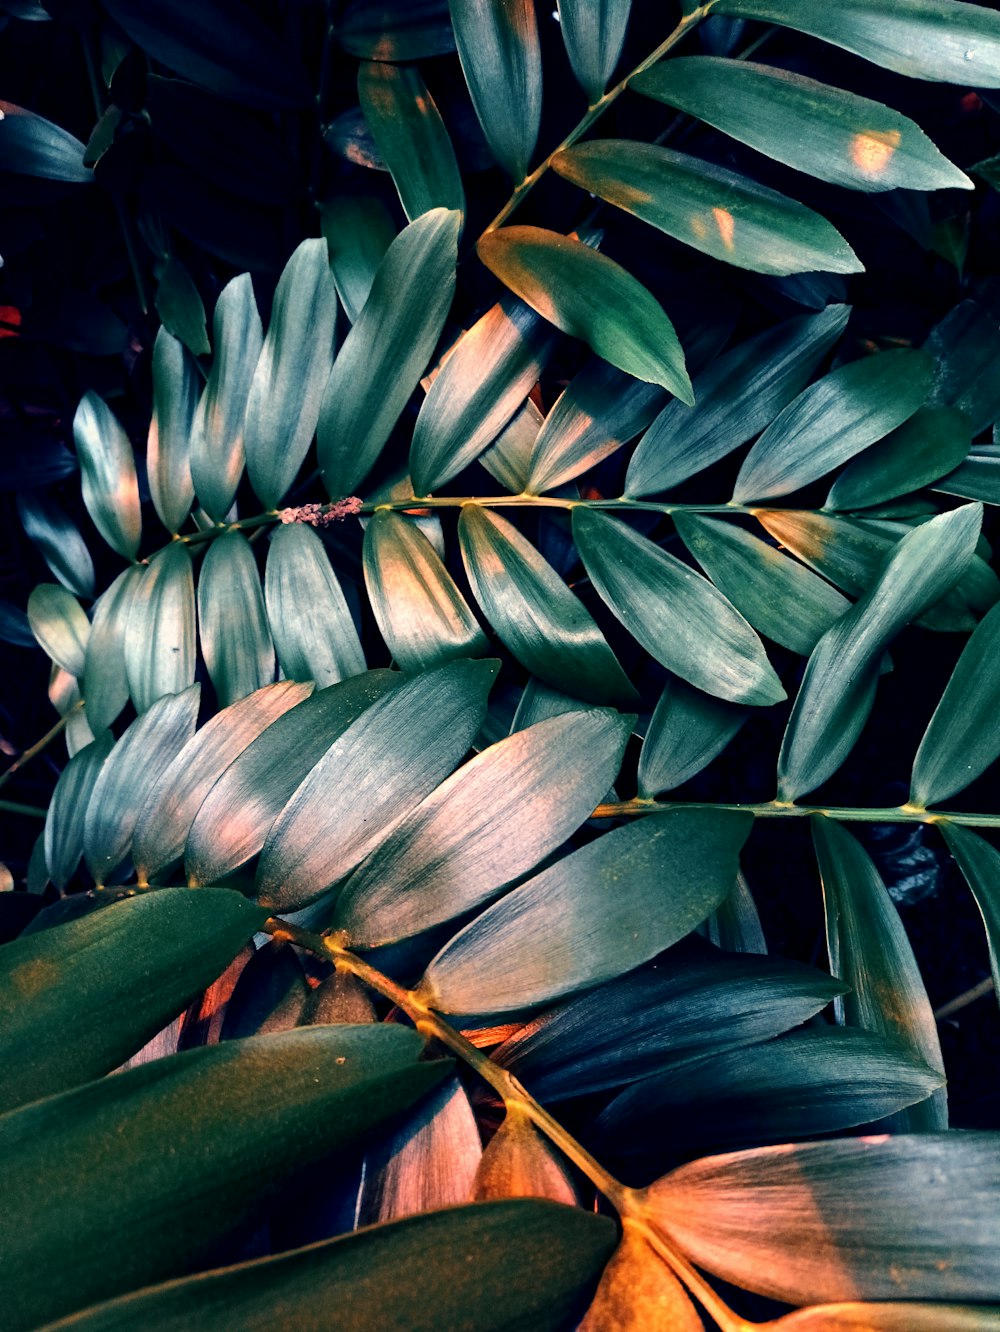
(322, 515)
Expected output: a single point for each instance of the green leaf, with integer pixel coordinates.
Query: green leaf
(175, 396)
(920, 451)
(963, 736)
(501, 59)
(113, 978)
(980, 866)
(737, 397)
(130, 773)
(411, 137)
(485, 379)
(235, 636)
(680, 1009)
(966, 347)
(105, 683)
(522, 1262)
(30, 145)
(383, 765)
(942, 40)
(396, 29)
(388, 349)
(600, 410)
(722, 214)
(780, 597)
(58, 539)
(65, 816)
(813, 1081)
(233, 822)
(165, 818)
(838, 687)
(423, 617)
(826, 132)
(797, 1222)
(677, 616)
(590, 297)
(107, 466)
(220, 44)
(868, 949)
(217, 454)
(492, 821)
(283, 1102)
(179, 305)
(832, 420)
(978, 477)
(358, 229)
(592, 916)
(897, 1317)
(686, 731)
(594, 32)
(314, 633)
(283, 403)
(160, 632)
(508, 459)
(60, 625)
(534, 613)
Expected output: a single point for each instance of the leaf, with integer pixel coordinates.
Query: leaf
(497, 1265)
(358, 230)
(534, 613)
(737, 397)
(107, 467)
(233, 822)
(838, 687)
(160, 632)
(600, 410)
(778, 596)
(592, 298)
(387, 350)
(942, 40)
(165, 819)
(594, 32)
(592, 916)
(283, 403)
(60, 625)
(314, 632)
(485, 379)
(285, 1101)
(508, 459)
(966, 347)
(58, 539)
(980, 866)
(897, 1317)
(130, 772)
(217, 453)
(797, 1222)
(978, 477)
(638, 1290)
(105, 684)
(180, 307)
(65, 697)
(492, 821)
(922, 450)
(422, 615)
(113, 978)
(722, 214)
(680, 1008)
(868, 949)
(832, 420)
(518, 1162)
(65, 816)
(813, 1081)
(962, 738)
(235, 636)
(221, 45)
(30, 145)
(823, 131)
(411, 137)
(686, 731)
(677, 616)
(396, 29)
(175, 397)
(366, 782)
(501, 59)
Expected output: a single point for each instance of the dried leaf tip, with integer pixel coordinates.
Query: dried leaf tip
(321, 515)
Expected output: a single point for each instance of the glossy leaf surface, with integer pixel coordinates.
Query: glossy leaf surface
(107, 467)
(232, 624)
(922, 450)
(105, 684)
(60, 626)
(687, 730)
(594, 31)
(161, 629)
(59, 541)
(358, 230)
(980, 866)
(65, 816)
(33, 146)
(175, 397)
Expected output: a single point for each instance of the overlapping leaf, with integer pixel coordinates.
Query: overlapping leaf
(168, 466)
(233, 628)
(107, 467)
(161, 629)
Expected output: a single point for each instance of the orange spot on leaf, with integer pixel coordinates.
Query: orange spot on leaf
(726, 223)
(872, 150)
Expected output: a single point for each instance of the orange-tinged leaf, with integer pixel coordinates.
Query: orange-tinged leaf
(519, 1163)
(638, 1292)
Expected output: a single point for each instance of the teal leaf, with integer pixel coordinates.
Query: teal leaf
(107, 466)
(161, 629)
(58, 539)
(232, 623)
(686, 731)
(358, 229)
(60, 626)
(64, 819)
(105, 683)
(395, 29)
(919, 452)
(594, 32)
(30, 145)
(980, 866)
(179, 305)
(175, 396)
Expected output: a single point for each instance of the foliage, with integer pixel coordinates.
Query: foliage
(379, 593)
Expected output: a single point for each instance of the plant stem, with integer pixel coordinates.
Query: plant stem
(32, 811)
(775, 809)
(964, 999)
(39, 745)
(594, 113)
(727, 1320)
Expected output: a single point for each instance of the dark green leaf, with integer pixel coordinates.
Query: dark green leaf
(180, 306)
(677, 616)
(105, 683)
(725, 215)
(358, 231)
(175, 395)
(590, 297)
(594, 31)
(966, 347)
(107, 466)
(233, 628)
(60, 625)
(920, 451)
(160, 632)
(976, 478)
(980, 866)
(686, 731)
(32, 146)
(65, 817)
(58, 539)
(396, 29)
